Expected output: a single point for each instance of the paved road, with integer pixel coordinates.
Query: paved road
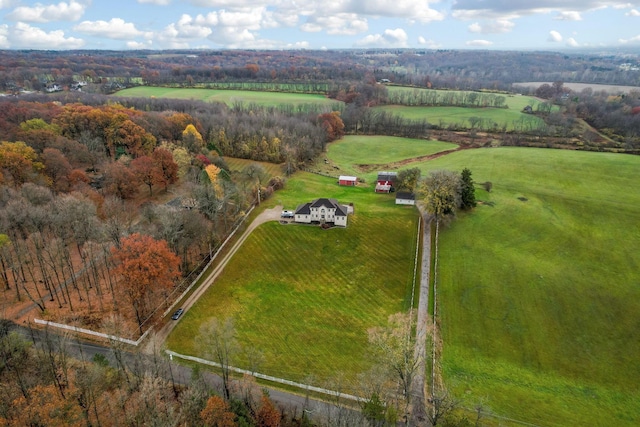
(181, 375)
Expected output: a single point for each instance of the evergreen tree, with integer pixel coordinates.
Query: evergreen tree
(467, 190)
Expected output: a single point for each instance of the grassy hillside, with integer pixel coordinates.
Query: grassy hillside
(304, 296)
(539, 288)
(360, 155)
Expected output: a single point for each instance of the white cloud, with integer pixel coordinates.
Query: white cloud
(495, 27)
(139, 45)
(227, 3)
(297, 45)
(5, 3)
(428, 43)
(390, 38)
(188, 27)
(554, 36)
(572, 42)
(408, 9)
(568, 16)
(631, 40)
(156, 2)
(480, 43)
(340, 24)
(633, 12)
(4, 37)
(116, 28)
(71, 11)
(25, 36)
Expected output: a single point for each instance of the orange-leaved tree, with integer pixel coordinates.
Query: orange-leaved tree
(147, 269)
(267, 415)
(218, 413)
(166, 168)
(332, 123)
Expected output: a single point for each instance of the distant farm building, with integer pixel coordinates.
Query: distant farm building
(347, 180)
(323, 211)
(385, 182)
(405, 198)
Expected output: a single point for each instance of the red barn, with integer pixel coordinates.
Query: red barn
(385, 182)
(347, 180)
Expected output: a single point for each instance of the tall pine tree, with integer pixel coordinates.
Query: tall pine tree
(467, 190)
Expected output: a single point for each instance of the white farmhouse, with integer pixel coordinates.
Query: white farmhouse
(323, 211)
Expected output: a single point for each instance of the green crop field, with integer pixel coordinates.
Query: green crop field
(304, 296)
(230, 97)
(461, 116)
(539, 288)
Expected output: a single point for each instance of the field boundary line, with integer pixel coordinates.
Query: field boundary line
(94, 333)
(206, 267)
(267, 377)
(513, 420)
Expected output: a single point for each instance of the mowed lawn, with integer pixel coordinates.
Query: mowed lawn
(540, 290)
(304, 297)
(353, 151)
(229, 97)
(460, 116)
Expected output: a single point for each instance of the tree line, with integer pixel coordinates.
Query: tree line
(71, 180)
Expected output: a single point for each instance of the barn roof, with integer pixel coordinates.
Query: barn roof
(403, 195)
(387, 176)
(347, 178)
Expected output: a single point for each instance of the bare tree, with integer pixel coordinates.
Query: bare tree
(394, 347)
(218, 341)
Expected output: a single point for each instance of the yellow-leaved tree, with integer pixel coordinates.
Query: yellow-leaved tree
(191, 139)
(213, 173)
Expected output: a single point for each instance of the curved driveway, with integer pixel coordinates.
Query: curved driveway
(161, 335)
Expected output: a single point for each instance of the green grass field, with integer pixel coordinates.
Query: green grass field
(460, 116)
(351, 151)
(236, 165)
(539, 291)
(304, 296)
(229, 97)
(514, 102)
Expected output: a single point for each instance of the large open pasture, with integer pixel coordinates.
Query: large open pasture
(462, 117)
(352, 153)
(539, 287)
(229, 97)
(445, 115)
(513, 101)
(304, 297)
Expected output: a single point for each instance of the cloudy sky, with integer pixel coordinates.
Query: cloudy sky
(319, 24)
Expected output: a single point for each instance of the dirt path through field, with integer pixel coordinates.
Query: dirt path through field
(400, 163)
(161, 335)
(419, 384)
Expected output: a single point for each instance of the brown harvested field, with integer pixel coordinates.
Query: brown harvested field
(578, 87)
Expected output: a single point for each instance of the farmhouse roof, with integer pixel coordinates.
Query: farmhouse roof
(403, 195)
(305, 209)
(347, 178)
